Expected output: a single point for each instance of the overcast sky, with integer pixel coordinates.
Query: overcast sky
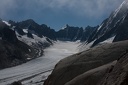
(57, 13)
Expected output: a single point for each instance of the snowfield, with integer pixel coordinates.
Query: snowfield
(36, 71)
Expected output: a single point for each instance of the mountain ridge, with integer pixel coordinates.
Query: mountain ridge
(104, 64)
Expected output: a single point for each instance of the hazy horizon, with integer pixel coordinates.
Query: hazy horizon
(57, 13)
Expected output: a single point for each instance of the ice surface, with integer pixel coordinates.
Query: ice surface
(37, 70)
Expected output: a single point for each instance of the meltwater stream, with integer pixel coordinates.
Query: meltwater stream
(35, 71)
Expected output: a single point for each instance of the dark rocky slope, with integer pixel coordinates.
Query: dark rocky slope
(12, 51)
(110, 74)
(14, 54)
(94, 75)
(119, 74)
(75, 65)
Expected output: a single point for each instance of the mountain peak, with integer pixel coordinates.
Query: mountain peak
(67, 26)
(30, 21)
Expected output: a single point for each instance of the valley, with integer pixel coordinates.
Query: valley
(33, 53)
(38, 69)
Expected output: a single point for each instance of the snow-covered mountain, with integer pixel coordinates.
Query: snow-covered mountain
(69, 33)
(114, 26)
(32, 27)
(20, 42)
(39, 37)
(35, 35)
(113, 29)
(38, 43)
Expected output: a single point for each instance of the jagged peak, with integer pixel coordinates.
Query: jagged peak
(30, 20)
(68, 26)
(65, 26)
(44, 25)
(88, 26)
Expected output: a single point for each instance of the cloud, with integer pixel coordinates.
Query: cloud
(28, 8)
(87, 8)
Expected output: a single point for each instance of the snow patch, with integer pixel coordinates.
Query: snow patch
(86, 46)
(25, 30)
(30, 41)
(100, 27)
(13, 28)
(109, 40)
(28, 58)
(7, 23)
(29, 50)
(64, 27)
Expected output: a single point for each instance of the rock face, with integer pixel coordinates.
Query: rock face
(69, 33)
(9, 35)
(5, 33)
(12, 51)
(119, 74)
(14, 54)
(73, 66)
(75, 33)
(94, 75)
(88, 32)
(110, 74)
